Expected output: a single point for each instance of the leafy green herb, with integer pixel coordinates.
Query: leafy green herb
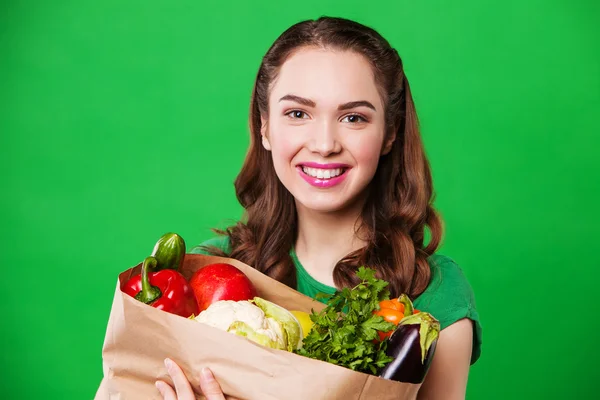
(344, 331)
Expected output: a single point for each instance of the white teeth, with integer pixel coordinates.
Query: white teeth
(322, 173)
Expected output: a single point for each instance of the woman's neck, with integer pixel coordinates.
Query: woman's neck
(324, 239)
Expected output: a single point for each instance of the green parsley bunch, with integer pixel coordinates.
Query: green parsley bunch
(345, 331)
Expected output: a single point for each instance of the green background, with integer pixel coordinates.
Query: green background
(122, 120)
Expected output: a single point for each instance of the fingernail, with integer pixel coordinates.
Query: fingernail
(168, 364)
(206, 374)
(159, 386)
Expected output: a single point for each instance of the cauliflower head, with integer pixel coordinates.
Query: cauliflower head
(266, 323)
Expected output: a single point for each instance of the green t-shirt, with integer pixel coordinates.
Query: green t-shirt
(448, 297)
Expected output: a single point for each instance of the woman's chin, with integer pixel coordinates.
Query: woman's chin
(324, 206)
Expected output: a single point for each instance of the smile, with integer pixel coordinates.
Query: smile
(323, 175)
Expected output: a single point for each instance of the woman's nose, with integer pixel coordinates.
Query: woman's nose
(325, 140)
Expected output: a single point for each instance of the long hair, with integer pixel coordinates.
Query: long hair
(398, 210)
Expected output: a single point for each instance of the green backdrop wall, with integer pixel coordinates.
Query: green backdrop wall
(122, 120)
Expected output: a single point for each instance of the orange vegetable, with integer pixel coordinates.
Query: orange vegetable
(390, 315)
(392, 304)
(391, 311)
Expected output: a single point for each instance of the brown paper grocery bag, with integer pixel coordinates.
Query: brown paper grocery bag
(139, 337)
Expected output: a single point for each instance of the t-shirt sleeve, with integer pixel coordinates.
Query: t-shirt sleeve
(220, 242)
(450, 298)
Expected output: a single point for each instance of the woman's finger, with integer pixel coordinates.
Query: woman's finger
(166, 391)
(182, 385)
(209, 386)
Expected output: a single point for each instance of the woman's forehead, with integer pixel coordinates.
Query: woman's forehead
(328, 77)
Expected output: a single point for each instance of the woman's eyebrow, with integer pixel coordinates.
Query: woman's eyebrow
(298, 99)
(310, 103)
(355, 104)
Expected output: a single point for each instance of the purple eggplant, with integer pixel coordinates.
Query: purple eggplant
(411, 346)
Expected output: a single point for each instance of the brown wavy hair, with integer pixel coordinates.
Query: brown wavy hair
(398, 209)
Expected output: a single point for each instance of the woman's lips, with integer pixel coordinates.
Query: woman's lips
(329, 175)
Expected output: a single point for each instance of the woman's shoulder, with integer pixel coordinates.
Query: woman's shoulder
(447, 274)
(449, 297)
(219, 242)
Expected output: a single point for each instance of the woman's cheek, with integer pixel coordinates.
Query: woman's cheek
(367, 152)
(286, 141)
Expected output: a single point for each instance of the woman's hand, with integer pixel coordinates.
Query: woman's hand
(183, 389)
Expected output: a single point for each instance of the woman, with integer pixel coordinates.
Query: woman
(336, 177)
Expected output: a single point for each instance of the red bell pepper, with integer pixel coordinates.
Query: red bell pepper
(165, 290)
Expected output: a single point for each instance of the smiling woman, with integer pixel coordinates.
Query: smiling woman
(336, 177)
(323, 119)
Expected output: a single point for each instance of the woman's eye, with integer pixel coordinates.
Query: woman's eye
(297, 114)
(354, 118)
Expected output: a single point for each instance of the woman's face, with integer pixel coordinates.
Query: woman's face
(325, 128)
